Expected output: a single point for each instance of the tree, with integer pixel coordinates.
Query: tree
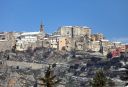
(49, 80)
(99, 79)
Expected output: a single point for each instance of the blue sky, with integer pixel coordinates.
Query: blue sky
(109, 17)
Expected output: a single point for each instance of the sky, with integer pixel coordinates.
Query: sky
(109, 17)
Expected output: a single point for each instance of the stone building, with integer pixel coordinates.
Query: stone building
(73, 34)
(53, 40)
(66, 43)
(46, 42)
(102, 45)
(95, 46)
(74, 31)
(7, 40)
(62, 43)
(97, 37)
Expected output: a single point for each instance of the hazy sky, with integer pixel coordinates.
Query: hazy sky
(109, 17)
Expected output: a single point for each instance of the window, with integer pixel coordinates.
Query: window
(67, 32)
(3, 38)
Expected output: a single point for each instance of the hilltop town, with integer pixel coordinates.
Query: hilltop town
(68, 38)
(75, 52)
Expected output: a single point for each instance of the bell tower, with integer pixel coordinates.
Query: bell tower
(41, 27)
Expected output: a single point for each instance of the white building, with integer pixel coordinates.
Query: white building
(29, 39)
(54, 41)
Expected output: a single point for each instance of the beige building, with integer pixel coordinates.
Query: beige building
(54, 41)
(66, 43)
(80, 46)
(7, 40)
(105, 44)
(77, 43)
(74, 31)
(59, 43)
(95, 46)
(97, 37)
(46, 43)
(73, 35)
(62, 43)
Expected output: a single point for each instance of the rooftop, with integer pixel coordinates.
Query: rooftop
(30, 33)
(76, 26)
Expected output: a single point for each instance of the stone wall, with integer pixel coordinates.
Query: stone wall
(25, 65)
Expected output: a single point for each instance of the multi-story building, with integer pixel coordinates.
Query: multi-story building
(62, 43)
(73, 34)
(46, 42)
(7, 41)
(120, 46)
(97, 37)
(105, 45)
(95, 46)
(54, 41)
(102, 46)
(74, 31)
(27, 39)
(30, 39)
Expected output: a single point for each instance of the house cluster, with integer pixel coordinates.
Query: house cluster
(66, 38)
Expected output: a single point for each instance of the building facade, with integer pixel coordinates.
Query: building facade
(30, 39)
(97, 37)
(7, 41)
(74, 31)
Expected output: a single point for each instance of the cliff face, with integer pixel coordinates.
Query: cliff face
(22, 69)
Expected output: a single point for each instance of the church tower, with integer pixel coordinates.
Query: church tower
(41, 27)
